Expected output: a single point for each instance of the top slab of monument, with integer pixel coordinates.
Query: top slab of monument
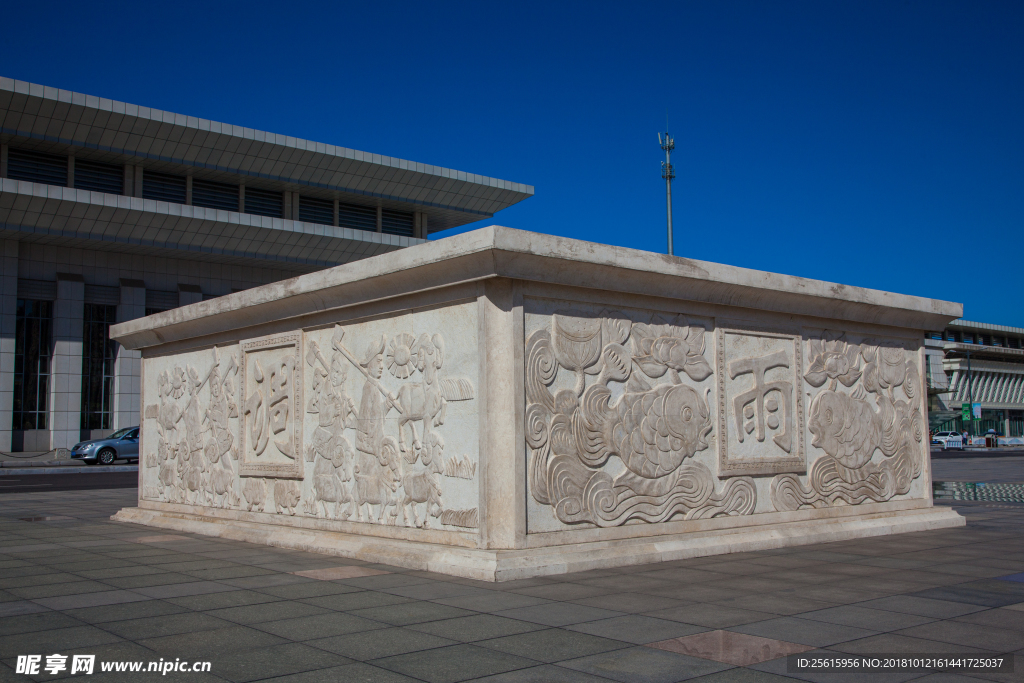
(499, 252)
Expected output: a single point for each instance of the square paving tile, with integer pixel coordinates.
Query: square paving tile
(494, 601)
(971, 635)
(775, 603)
(971, 596)
(553, 645)
(437, 590)
(54, 640)
(165, 625)
(267, 611)
(545, 673)
(354, 601)
(335, 573)
(319, 626)
(1003, 617)
(728, 647)
(637, 629)
(308, 589)
(34, 622)
(386, 642)
(204, 644)
(565, 591)
(925, 607)
(453, 663)
(863, 617)
(407, 613)
(803, 631)
(710, 616)
(630, 602)
(559, 613)
(276, 660)
(644, 665)
(233, 598)
(476, 627)
(124, 611)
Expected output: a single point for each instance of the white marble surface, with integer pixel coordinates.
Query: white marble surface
(486, 394)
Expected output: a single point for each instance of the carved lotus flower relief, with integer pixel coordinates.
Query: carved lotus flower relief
(832, 359)
(886, 367)
(659, 348)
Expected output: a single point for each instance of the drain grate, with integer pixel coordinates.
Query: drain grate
(50, 518)
(965, 490)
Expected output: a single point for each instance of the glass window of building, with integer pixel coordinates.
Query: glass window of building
(98, 355)
(32, 350)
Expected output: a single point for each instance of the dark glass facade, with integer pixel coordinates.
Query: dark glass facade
(33, 348)
(98, 355)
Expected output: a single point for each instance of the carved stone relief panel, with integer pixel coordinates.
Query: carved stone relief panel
(865, 421)
(271, 408)
(190, 428)
(391, 420)
(760, 411)
(619, 419)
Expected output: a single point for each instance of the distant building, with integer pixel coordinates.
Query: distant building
(995, 380)
(111, 211)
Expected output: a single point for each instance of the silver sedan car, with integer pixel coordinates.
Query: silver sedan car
(121, 445)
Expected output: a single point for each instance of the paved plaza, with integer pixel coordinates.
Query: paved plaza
(74, 582)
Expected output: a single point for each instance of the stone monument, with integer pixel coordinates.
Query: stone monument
(503, 404)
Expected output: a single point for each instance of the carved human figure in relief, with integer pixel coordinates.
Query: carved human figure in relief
(376, 468)
(331, 451)
(764, 401)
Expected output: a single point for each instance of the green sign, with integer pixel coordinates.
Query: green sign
(965, 411)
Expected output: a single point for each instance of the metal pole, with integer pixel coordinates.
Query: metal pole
(668, 173)
(970, 393)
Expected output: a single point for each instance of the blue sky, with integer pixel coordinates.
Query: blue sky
(878, 144)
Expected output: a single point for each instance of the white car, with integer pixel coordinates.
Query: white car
(948, 440)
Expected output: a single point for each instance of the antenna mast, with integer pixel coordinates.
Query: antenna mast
(668, 173)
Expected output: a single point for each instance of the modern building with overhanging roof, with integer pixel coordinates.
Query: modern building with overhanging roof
(110, 211)
(972, 362)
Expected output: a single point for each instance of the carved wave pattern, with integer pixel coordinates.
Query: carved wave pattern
(653, 430)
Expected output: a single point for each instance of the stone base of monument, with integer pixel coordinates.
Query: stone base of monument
(297, 533)
(502, 404)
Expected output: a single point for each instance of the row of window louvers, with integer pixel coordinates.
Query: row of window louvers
(51, 169)
(988, 387)
(46, 290)
(977, 338)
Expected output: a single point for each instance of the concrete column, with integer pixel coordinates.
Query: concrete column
(188, 190)
(287, 206)
(416, 224)
(241, 199)
(295, 206)
(336, 219)
(3, 161)
(128, 365)
(189, 294)
(129, 180)
(138, 181)
(66, 371)
(71, 171)
(8, 316)
(424, 228)
(380, 218)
